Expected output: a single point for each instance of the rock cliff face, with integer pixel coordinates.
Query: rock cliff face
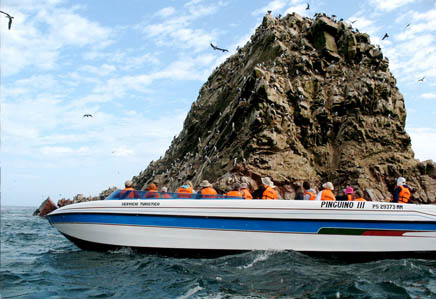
(304, 100)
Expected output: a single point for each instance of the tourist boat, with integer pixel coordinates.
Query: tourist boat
(221, 225)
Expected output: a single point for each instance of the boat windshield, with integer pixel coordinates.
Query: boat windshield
(135, 194)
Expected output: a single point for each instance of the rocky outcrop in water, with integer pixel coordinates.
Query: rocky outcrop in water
(45, 208)
(304, 100)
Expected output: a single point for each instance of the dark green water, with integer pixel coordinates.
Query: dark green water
(38, 262)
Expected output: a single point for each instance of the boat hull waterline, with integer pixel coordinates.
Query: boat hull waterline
(241, 225)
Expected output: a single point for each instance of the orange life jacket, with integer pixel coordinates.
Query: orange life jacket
(152, 194)
(208, 191)
(350, 197)
(269, 193)
(187, 191)
(247, 194)
(312, 195)
(232, 193)
(404, 195)
(360, 199)
(129, 191)
(327, 194)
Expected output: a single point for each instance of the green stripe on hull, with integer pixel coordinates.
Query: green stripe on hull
(341, 231)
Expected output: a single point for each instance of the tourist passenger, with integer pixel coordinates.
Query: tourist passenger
(299, 195)
(244, 189)
(128, 191)
(349, 191)
(401, 192)
(151, 191)
(358, 196)
(207, 190)
(327, 192)
(235, 192)
(309, 194)
(164, 193)
(186, 190)
(266, 190)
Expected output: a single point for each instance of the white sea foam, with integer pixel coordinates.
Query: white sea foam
(123, 251)
(190, 292)
(264, 255)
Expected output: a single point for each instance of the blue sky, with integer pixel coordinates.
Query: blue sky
(137, 67)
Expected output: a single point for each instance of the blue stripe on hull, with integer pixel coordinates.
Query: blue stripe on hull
(264, 225)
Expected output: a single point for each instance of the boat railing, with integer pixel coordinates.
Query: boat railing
(136, 194)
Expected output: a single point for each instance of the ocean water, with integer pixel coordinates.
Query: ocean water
(38, 262)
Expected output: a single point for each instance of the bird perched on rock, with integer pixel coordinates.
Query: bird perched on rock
(87, 115)
(219, 49)
(385, 36)
(9, 17)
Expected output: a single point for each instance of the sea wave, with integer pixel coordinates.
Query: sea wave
(38, 262)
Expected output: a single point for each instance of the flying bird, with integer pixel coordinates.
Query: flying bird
(421, 80)
(352, 22)
(308, 6)
(407, 25)
(385, 36)
(87, 115)
(219, 49)
(9, 17)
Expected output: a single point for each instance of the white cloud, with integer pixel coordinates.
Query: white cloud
(179, 32)
(122, 152)
(431, 96)
(63, 150)
(42, 34)
(389, 5)
(102, 70)
(299, 9)
(274, 6)
(185, 68)
(367, 25)
(423, 143)
(283, 7)
(47, 128)
(166, 12)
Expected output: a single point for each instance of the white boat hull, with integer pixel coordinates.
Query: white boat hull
(240, 225)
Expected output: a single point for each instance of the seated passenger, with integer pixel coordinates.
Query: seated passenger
(164, 193)
(401, 192)
(346, 194)
(358, 196)
(349, 192)
(299, 195)
(235, 192)
(207, 190)
(266, 190)
(244, 189)
(128, 191)
(186, 190)
(327, 192)
(309, 194)
(152, 191)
